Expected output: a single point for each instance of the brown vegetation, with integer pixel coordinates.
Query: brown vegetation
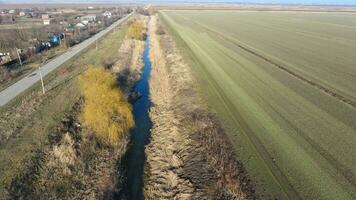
(129, 63)
(37, 130)
(76, 165)
(189, 155)
(80, 162)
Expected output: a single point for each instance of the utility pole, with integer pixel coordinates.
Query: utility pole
(64, 38)
(18, 56)
(64, 33)
(65, 41)
(43, 88)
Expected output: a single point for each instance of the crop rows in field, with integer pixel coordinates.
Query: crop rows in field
(284, 84)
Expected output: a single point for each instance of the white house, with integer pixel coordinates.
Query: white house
(107, 14)
(5, 57)
(85, 22)
(80, 25)
(46, 20)
(88, 18)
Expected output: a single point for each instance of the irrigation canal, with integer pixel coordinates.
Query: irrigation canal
(133, 163)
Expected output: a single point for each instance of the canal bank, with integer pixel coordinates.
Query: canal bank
(134, 160)
(189, 155)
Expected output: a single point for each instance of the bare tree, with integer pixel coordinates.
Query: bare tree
(39, 34)
(20, 37)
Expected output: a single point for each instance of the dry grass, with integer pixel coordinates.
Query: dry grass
(64, 152)
(189, 155)
(129, 62)
(136, 30)
(77, 164)
(28, 122)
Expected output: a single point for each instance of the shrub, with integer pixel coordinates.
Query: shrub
(160, 30)
(105, 110)
(108, 62)
(136, 30)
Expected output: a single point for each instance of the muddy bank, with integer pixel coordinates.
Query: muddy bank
(189, 156)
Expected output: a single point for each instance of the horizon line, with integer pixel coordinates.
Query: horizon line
(182, 2)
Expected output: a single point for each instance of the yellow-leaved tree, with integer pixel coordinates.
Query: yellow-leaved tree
(105, 110)
(136, 30)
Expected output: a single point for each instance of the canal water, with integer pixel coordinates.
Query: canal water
(133, 163)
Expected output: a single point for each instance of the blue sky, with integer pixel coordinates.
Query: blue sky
(335, 2)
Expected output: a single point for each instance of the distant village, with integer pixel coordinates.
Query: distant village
(26, 32)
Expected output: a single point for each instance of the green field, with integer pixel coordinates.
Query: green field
(284, 84)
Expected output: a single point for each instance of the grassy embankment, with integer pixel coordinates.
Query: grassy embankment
(27, 120)
(283, 84)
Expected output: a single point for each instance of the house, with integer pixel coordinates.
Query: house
(107, 14)
(66, 10)
(70, 26)
(69, 33)
(45, 16)
(85, 22)
(88, 18)
(22, 13)
(5, 57)
(46, 20)
(80, 25)
(32, 14)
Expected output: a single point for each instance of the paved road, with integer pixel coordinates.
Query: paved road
(17, 88)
